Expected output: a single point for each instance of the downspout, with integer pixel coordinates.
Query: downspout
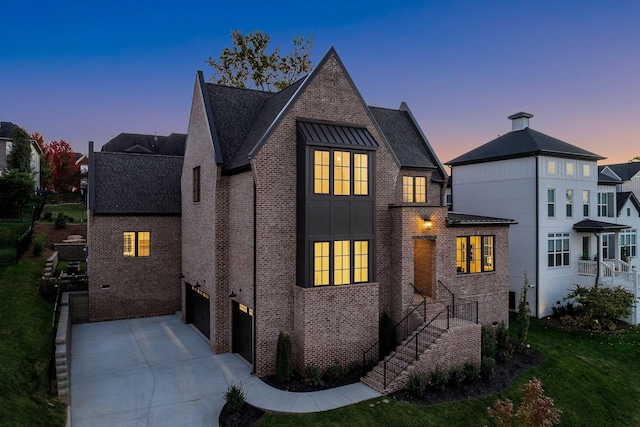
(598, 256)
(255, 269)
(537, 236)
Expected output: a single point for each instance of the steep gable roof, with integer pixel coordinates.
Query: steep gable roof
(136, 184)
(625, 171)
(623, 197)
(522, 143)
(172, 145)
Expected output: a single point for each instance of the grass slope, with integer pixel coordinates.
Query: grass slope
(594, 378)
(9, 234)
(25, 321)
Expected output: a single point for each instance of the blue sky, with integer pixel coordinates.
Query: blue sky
(85, 71)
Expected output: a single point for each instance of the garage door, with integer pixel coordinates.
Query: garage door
(197, 303)
(243, 331)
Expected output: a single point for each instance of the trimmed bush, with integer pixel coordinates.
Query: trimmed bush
(438, 379)
(234, 396)
(471, 372)
(60, 222)
(311, 375)
(488, 341)
(284, 358)
(599, 302)
(456, 376)
(504, 348)
(487, 367)
(418, 384)
(523, 317)
(335, 372)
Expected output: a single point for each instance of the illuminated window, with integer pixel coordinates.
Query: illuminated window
(341, 173)
(196, 184)
(321, 263)
(414, 189)
(341, 264)
(361, 174)
(628, 243)
(321, 172)
(558, 249)
(551, 167)
(585, 202)
(136, 244)
(361, 261)
(569, 205)
(475, 254)
(570, 169)
(586, 170)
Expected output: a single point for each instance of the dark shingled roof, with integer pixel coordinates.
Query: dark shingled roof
(403, 138)
(137, 184)
(456, 218)
(606, 179)
(591, 226)
(6, 130)
(172, 145)
(335, 133)
(522, 143)
(625, 171)
(623, 197)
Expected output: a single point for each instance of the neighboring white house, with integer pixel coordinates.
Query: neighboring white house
(6, 137)
(567, 213)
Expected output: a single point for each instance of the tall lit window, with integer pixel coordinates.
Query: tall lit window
(585, 202)
(551, 202)
(414, 189)
(196, 184)
(558, 249)
(569, 199)
(321, 263)
(321, 172)
(361, 261)
(602, 204)
(475, 254)
(586, 170)
(341, 173)
(570, 169)
(341, 264)
(551, 167)
(361, 174)
(136, 243)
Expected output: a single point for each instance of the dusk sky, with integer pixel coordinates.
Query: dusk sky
(84, 71)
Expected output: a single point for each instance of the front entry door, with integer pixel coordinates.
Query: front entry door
(243, 331)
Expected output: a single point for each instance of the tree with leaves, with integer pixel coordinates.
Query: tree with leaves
(247, 63)
(46, 168)
(63, 162)
(16, 188)
(20, 155)
(635, 159)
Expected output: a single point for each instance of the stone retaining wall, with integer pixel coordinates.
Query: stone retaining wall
(70, 251)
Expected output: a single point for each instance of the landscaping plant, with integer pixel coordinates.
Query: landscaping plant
(523, 316)
(38, 244)
(600, 305)
(488, 341)
(234, 396)
(284, 358)
(311, 375)
(536, 409)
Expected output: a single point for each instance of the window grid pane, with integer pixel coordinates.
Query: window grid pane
(475, 254)
(407, 189)
(129, 243)
(196, 184)
(361, 174)
(321, 263)
(461, 254)
(569, 197)
(558, 249)
(341, 173)
(585, 202)
(361, 261)
(321, 172)
(487, 253)
(421, 189)
(341, 264)
(551, 203)
(143, 243)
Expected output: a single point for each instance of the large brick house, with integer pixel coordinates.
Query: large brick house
(310, 213)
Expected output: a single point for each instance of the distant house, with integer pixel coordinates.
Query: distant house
(6, 138)
(172, 145)
(305, 212)
(571, 228)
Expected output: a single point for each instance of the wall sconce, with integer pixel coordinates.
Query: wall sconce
(197, 285)
(232, 294)
(427, 223)
(181, 276)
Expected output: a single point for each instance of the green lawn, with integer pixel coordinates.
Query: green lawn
(77, 211)
(594, 378)
(25, 321)
(9, 234)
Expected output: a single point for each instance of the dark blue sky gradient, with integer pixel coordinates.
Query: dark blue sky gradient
(85, 71)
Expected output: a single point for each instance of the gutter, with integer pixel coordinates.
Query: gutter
(255, 269)
(537, 236)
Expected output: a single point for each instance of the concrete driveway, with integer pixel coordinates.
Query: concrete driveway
(144, 372)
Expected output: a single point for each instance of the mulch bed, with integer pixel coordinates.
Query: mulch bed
(504, 376)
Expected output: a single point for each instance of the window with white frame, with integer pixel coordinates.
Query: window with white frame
(628, 243)
(551, 202)
(558, 249)
(570, 169)
(569, 198)
(602, 204)
(586, 170)
(551, 167)
(585, 202)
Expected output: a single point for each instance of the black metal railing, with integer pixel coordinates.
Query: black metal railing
(421, 340)
(460, 308)
(24, 241)
(54, 331)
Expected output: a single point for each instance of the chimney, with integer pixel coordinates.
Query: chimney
(519, 121)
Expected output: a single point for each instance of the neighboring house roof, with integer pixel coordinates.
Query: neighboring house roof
(607, 179)
(456, 218)
(6, 130)
(623, 197)
(624, 171)
(172, 145)
(592, 226)
(242, 119)
(136, 184)
(522, 143)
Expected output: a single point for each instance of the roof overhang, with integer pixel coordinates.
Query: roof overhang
(461, 219)
(591, 226)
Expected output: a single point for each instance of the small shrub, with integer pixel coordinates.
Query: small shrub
(335, 372)
(284, 358)
(438, 380)
(536, 409)
(471, 372)
(38, 244)
(487, 367)
(523, 317)
(501, 412)
(488, 341)
(456, 376)
(311, 375)
(418, 384)
(599, 302)
(60, 222)
(48, 289)
(47, 216)
(504, 348)
(234, 396)
(69, 218)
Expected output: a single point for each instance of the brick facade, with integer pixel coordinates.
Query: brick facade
(124, 287)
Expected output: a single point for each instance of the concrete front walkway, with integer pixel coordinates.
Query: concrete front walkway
(160, 372)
